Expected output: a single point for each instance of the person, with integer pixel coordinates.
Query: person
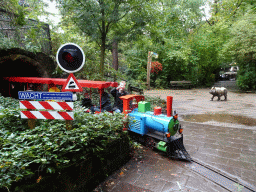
(117, 93)
(87, 103)
(105, 103)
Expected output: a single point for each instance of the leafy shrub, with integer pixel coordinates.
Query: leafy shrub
(8, 102)
(49, 146)
(247, 81)
(156, 101)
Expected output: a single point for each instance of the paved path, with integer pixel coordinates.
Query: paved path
(197, 101)
(219, 134)
(151, 171)
(231, 151)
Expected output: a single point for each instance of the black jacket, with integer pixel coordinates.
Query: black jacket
(105, 102)
(118, 102)
(86, 102)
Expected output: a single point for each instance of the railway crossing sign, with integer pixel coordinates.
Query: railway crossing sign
(71, 84)
(70, 57)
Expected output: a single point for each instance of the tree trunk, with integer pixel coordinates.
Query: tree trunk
(103, 39)
(102, 55)
(216, 4)
(115, 54)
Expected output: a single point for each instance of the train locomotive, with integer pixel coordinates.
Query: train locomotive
(155, 129)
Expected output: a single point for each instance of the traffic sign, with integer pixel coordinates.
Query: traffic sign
(72, 84)
(34, 95)
(70, 57)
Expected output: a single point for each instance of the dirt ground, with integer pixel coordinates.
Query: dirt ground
(195, 105)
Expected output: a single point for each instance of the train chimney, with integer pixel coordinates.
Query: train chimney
(169, 106)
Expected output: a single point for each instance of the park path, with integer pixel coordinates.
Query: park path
(221, 135)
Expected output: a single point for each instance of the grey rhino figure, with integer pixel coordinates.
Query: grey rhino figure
(218, 91)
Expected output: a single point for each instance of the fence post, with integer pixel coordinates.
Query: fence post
(69, 124)
(31, 123)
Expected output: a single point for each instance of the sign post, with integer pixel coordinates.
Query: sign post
(149, 68)
(70, 58)
(150, 54)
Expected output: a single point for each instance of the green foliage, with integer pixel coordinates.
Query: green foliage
(25, 34)
(189, 47)
(106, 20)
(7, 43)
(9, 102)
(192, 49)
(240, 47)
(49, 147)
(247, 80)
(168, 35)
(20, 19)
(155, 102)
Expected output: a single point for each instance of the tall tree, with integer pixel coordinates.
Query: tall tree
(168, 36)
(96, 18)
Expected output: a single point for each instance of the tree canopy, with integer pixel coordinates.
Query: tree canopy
(97, 19)
(190, 45)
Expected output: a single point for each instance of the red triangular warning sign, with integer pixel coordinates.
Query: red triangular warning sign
(71, 84)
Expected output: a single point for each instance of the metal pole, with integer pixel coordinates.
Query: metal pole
(100, 98)
(9, 89)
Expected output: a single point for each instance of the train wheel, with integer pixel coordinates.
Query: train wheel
(150, 142)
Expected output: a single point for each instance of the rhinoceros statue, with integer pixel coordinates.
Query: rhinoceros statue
(218, 91)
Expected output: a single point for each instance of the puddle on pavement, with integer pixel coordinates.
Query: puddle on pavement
(248, 105)
(226, 118)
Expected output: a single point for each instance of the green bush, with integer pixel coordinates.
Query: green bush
(156, 102)
(247, 81)
(49, 146)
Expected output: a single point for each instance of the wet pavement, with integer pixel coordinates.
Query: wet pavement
(150, 170)
(229, 151)
(221, 117)
(220, 135)
(239, 107)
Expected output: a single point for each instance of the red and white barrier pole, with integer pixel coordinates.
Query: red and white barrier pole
(169, 106)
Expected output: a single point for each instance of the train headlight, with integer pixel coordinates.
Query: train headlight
(180, 130)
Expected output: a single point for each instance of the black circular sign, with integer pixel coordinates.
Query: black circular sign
(70, 57)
